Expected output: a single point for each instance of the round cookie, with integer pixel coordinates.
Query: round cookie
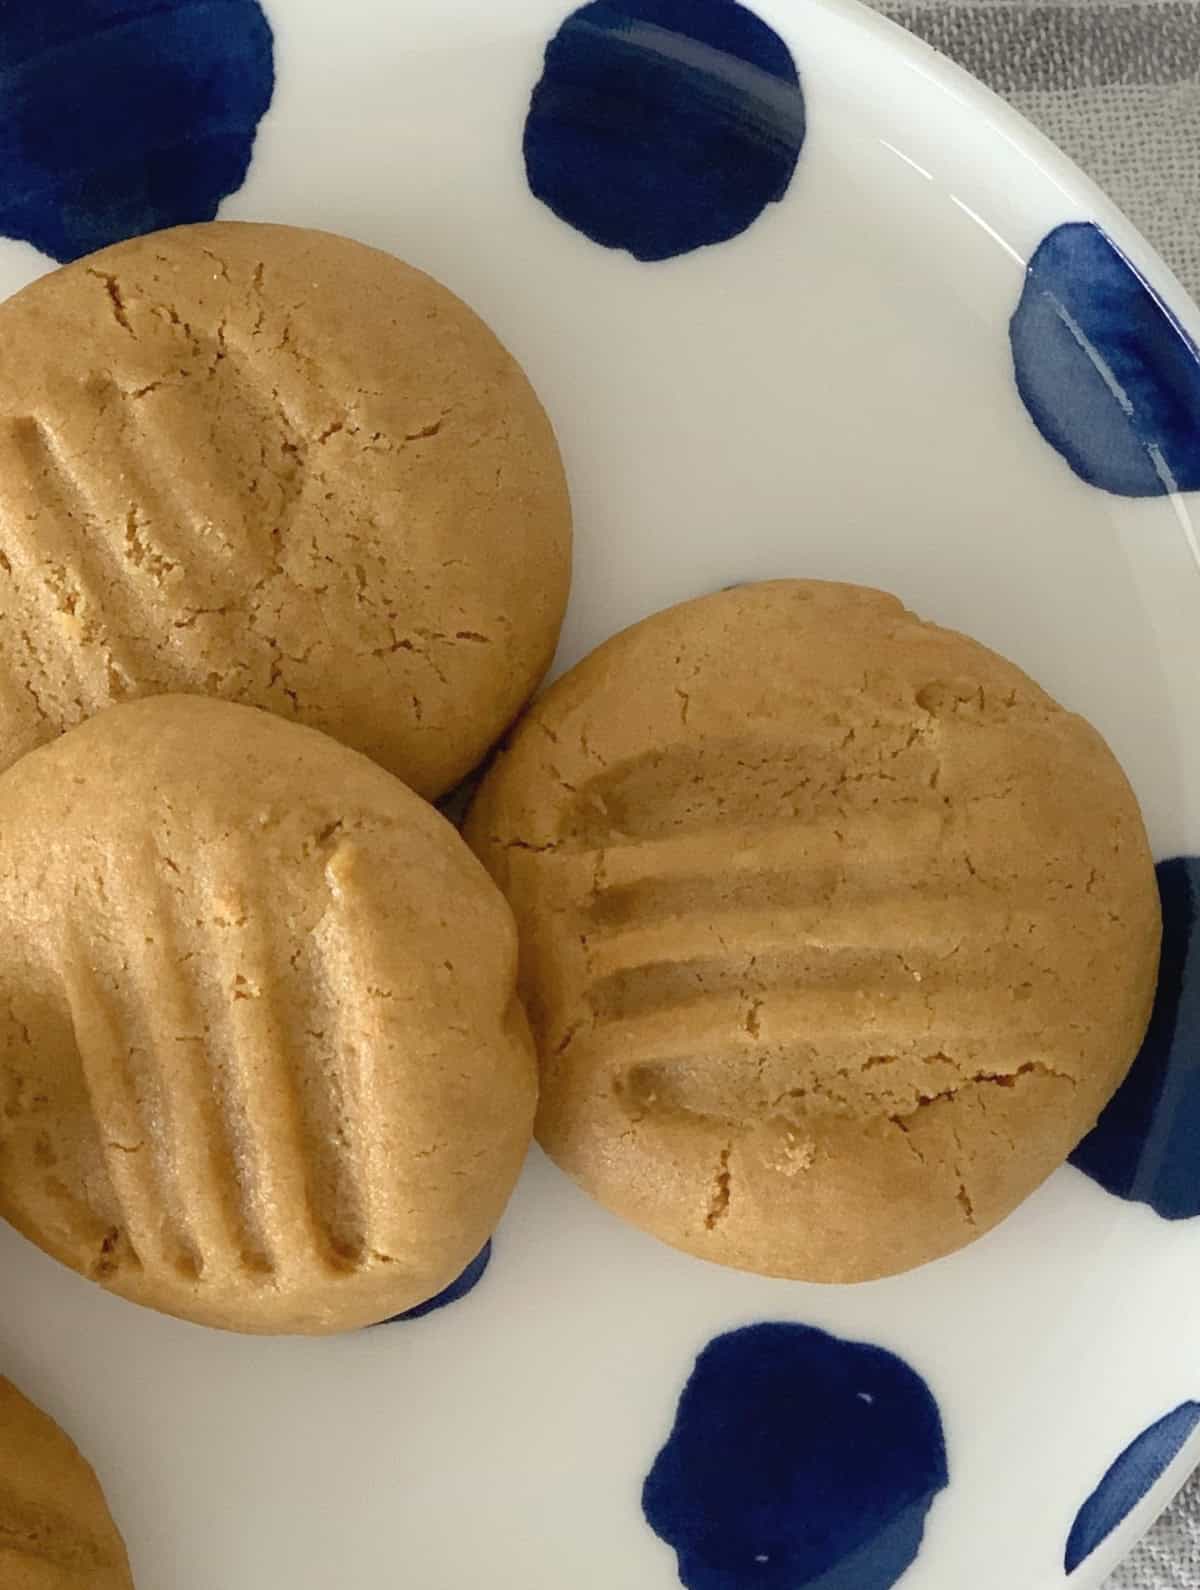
(279, 467)
(837, 932)
(262, 1064)
(56, 1532)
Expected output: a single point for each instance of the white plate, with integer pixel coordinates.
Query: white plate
(831, 394)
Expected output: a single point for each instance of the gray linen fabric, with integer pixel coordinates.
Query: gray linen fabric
(1116, 83)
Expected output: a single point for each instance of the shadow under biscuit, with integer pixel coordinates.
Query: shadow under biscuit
(458, 1289)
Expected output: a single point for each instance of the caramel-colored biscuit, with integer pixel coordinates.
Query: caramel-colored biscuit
(56, 1532)
(837, 931)
(262, 1064)
(279, 467)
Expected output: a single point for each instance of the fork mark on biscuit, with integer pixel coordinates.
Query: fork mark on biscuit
(136, 1178)
(243, 1024)
(670, 792)
(87, 581)
(200, 536)
(204, 1160)
(358, 1174)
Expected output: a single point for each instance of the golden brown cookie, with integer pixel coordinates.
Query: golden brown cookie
(276, 466)
(262, 1064)
(837, 932)
(56, 1532)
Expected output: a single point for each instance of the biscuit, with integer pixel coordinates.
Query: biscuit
(56, 1532)
(278, 467)
(837, 931)
(262, 1064)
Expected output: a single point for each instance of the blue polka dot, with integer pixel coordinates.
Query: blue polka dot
(1146, 1145)
(1108, 375)
(1127, 1481)
(661, 125)
(467, 1282)
(797, 1459)
(118, 117)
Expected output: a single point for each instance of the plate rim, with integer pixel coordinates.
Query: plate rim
(1031, 145)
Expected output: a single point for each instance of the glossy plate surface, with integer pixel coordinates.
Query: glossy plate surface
(812, 369)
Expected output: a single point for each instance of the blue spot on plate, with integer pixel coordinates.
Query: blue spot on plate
(1127, 1481)
(118, 117)
(661, 125)
(467, 1282)
(1146, 1145)
(797, 1459)
(1108, 375)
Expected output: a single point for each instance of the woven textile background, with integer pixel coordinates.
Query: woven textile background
(1116, 83)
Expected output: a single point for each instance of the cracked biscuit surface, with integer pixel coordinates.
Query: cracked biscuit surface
(262, 1064)
(56, 1532)
(282, 468)
(837, 931)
